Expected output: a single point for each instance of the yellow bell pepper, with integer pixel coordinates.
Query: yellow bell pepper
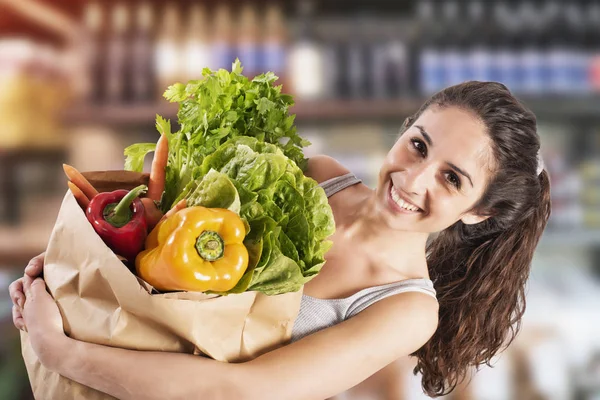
(195, 249)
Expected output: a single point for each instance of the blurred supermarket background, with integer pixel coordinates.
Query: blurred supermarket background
(80, 80)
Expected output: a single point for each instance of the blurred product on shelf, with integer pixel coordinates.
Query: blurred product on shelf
(534, 48)
(142, 73)
(306, 63)
(118, 55)
(566, 188)
(390, 64)
(93, 52)
(223, 37)
(589, 170)
(274, 43)
(34, 89)
(593, 44)
(168, 53)
(197, 47)
(247, 39)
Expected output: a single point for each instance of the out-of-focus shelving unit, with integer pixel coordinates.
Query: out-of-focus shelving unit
(577, 110)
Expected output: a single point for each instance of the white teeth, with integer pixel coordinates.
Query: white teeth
(401, 202)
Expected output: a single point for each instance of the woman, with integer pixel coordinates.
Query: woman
(465, 168)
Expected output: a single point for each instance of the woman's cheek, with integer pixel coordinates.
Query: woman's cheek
(443, 216)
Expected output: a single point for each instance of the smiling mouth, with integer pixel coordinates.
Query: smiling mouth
(400, 203)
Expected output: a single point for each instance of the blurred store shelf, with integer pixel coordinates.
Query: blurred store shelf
(327, 110)
(119, 115)
(18, 246)
(19, 243)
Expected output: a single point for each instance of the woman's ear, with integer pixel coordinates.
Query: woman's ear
(473, 218)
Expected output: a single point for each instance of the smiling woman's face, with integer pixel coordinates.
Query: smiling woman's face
(441, 166)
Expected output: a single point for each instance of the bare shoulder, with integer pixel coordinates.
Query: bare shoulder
(322, 167)
(415, 312)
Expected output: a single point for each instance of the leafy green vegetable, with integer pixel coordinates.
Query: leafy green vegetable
(237, 148)
(221, 106)
(215, 190)
(282, 207)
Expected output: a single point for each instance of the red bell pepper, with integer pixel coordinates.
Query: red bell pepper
(118, 218)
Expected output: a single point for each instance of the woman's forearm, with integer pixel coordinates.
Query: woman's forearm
(130, 374)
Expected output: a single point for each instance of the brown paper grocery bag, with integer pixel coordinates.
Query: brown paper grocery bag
(103, 302)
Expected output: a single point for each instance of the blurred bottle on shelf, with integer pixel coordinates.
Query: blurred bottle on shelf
(93, 52)
(593, 45)
(197, 50)
(142, 62)
(567, 186)
(273, 51)
(306, 67)
(118, 53)
(453, 59)
(168, 57)
(480, 53)
(589, 170)
(248, 47)
(430, 71)
(390, 64)
(577, 60)
(533, 47)
(531, 57)
(334, 46)
(357, 53)
(558, 57)
(505, 67)
(223, 52)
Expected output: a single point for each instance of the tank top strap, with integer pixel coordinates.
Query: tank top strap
(374, 294)
(334, 185)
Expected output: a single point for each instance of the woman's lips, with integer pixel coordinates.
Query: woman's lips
(393, 205)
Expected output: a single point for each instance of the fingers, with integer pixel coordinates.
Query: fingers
(18, 318)
(18, 298)
(33, 288)
(35, 266)
(16, 292)
(27, 280)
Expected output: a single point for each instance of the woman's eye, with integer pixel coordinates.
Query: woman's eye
(453, 179)
(419, 146)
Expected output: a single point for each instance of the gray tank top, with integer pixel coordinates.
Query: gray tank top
(316, 314)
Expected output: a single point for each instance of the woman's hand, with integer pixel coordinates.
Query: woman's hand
(17, 293)
(43, 321)
(35, 312)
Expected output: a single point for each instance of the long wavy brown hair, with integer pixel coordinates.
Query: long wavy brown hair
(480, 271)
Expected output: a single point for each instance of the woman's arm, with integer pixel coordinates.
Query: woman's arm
(316, 367)
(148, 375)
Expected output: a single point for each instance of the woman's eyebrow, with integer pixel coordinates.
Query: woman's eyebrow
(453, 166)
(425, 135)
(460, 171)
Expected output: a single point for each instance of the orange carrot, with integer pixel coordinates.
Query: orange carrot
(79, 196)
(79, 180)
(181, 204)
(156, 185)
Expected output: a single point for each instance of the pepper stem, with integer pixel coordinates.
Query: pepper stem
(210, 246)
(120, 214)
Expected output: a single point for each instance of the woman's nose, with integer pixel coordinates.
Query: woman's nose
(418, 179)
